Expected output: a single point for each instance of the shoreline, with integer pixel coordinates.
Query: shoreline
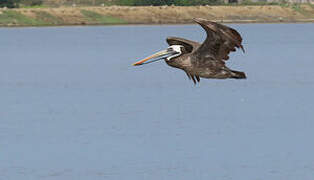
(163, 24)
(152, 15)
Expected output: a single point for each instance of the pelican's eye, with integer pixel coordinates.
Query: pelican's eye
(170, 49)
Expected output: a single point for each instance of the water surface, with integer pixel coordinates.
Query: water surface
(73, 107)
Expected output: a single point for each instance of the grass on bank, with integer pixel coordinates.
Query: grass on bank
(15, 18)
(34, 7)
(97, 18)
(298, 7)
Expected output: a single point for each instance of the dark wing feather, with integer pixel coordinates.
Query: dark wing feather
(220, 41)
(192, 77)
(188, 45)
(198, 78)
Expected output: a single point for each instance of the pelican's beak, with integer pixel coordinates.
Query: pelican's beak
(154, 56)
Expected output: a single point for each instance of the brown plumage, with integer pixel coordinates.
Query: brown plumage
(206, 60)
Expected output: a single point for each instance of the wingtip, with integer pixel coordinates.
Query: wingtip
(199, 20)
(242, 49)
(202, 20)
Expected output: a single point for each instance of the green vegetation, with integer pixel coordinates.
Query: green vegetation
(13, 17)
(296, 7)
(284, 4)
(9, 3)
(101, 19)
(260, 3)
(20, 3)
(33, 7)
(304, 11)
(31, 2)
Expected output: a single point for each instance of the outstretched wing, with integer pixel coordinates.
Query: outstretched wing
(189, 46)
(220, 41)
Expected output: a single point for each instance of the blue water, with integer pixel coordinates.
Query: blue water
(73, 108)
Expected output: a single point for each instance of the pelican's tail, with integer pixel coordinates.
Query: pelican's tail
(238, 75)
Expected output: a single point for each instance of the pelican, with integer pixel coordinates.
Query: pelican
(206, 60)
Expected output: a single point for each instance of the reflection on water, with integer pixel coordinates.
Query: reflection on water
(73, 107)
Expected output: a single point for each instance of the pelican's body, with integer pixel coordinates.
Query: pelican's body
(205, 60)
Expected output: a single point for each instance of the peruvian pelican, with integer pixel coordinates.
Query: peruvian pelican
(206, 60)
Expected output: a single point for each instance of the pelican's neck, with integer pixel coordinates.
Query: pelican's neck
(174, 61)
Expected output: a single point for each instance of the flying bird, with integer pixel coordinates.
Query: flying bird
(206, 60)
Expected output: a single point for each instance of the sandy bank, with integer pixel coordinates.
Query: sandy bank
(153, 15)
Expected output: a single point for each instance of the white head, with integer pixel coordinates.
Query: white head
(168, 54)
(176, 51)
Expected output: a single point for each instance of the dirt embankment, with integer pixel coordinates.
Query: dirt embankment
(153, 15)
